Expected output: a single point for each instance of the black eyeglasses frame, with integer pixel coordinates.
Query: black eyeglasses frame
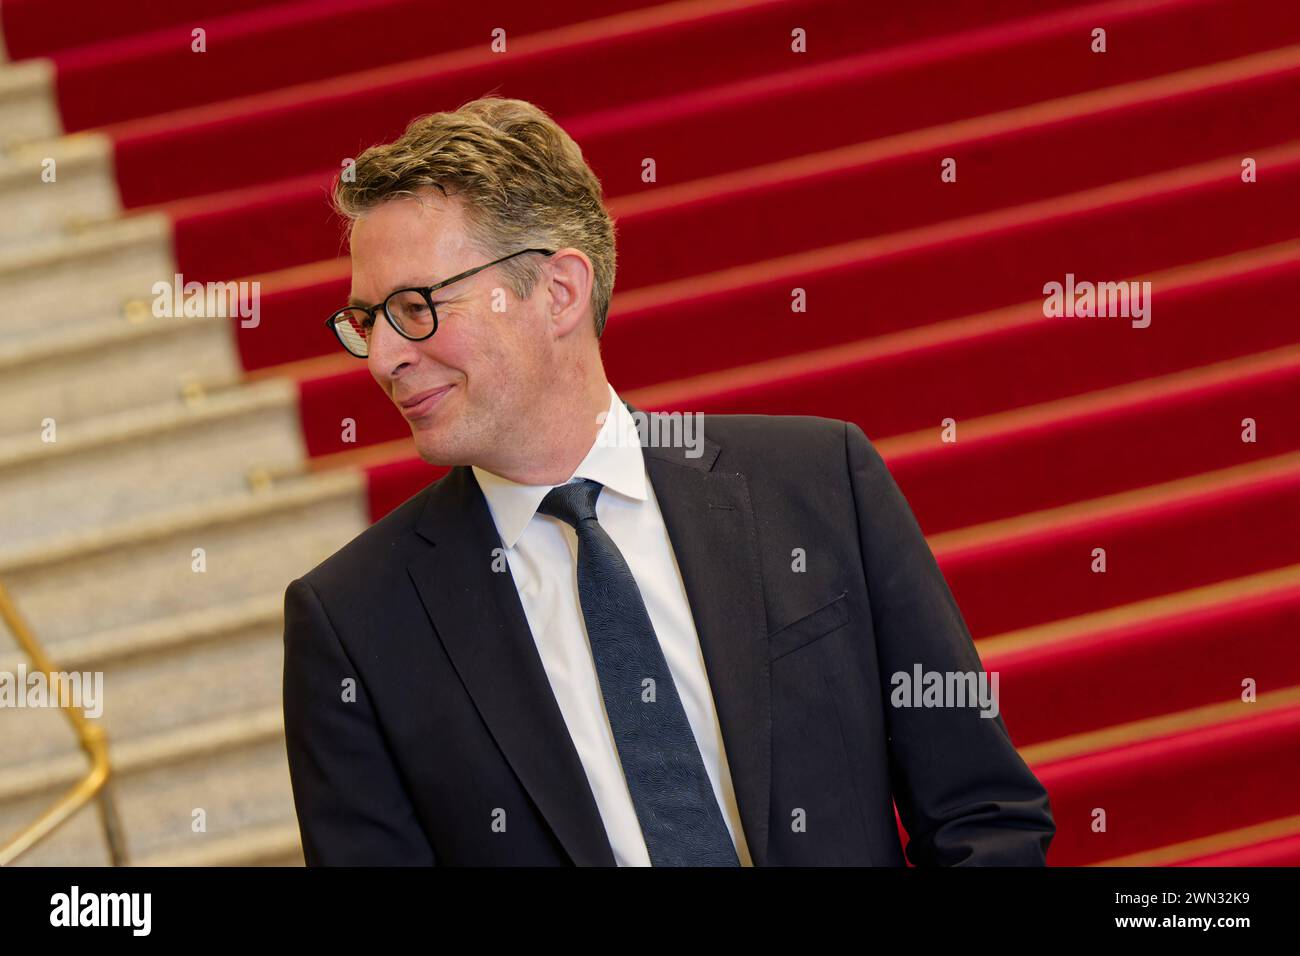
(426, 291)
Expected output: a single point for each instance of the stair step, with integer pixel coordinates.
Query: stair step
(160, 677)
(134, 571)
(29, 111)
(85, 277)
(85, 187)
(145, 460)
(235, 770)
(84, 371)
(262, 846)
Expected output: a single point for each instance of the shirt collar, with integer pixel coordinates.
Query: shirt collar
(615, 460)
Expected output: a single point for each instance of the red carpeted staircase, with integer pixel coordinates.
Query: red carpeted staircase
(925, 319)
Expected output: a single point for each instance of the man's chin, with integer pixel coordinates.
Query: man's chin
(432, 455)
(436, 450)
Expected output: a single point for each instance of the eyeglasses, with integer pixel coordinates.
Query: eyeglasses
(410, 312)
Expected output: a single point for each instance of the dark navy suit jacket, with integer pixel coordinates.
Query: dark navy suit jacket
(454, 725)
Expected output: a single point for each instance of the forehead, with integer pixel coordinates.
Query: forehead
(405, 241)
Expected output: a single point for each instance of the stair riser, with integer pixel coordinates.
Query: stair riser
(238, 789)
(115, 376)
(92, 285)
(118, 587)
(151, 693)
(41, 499)
(84, 189)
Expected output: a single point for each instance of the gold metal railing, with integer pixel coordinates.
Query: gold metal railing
(96, 782)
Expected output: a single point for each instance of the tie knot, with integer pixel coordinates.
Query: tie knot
(573, 502)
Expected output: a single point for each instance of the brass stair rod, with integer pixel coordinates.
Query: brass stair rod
(93, 741)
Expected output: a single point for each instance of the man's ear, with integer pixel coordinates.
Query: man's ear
(570, 280)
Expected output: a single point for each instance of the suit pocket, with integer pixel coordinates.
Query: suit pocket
(827, 618)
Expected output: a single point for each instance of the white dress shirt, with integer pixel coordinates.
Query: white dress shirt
(542, 553)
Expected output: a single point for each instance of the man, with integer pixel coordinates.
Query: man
(577, 648)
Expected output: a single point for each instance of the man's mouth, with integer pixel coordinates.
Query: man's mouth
(423, 403)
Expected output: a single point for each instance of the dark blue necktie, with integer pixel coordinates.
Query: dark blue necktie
(680, 818)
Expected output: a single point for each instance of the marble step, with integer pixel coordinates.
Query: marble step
(260, 846)
(85, 371)
(234, 770)
(29, 106)
(143, 461)
(84, 186)
(92, 276)
(157, 677)
(209, 555)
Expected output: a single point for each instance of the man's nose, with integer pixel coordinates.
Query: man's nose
(388, 351)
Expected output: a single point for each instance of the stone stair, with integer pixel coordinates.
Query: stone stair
(159, 450)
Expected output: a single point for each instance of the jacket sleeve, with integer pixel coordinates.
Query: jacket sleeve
(353, 809)
(963, 793)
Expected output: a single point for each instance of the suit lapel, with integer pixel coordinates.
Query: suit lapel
(481, 622)
(710, 522)
(477, 614)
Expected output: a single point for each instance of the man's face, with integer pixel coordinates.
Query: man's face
(490, 363)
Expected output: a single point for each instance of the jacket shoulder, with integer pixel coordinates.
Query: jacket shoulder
(389, 539)
(797, 442)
